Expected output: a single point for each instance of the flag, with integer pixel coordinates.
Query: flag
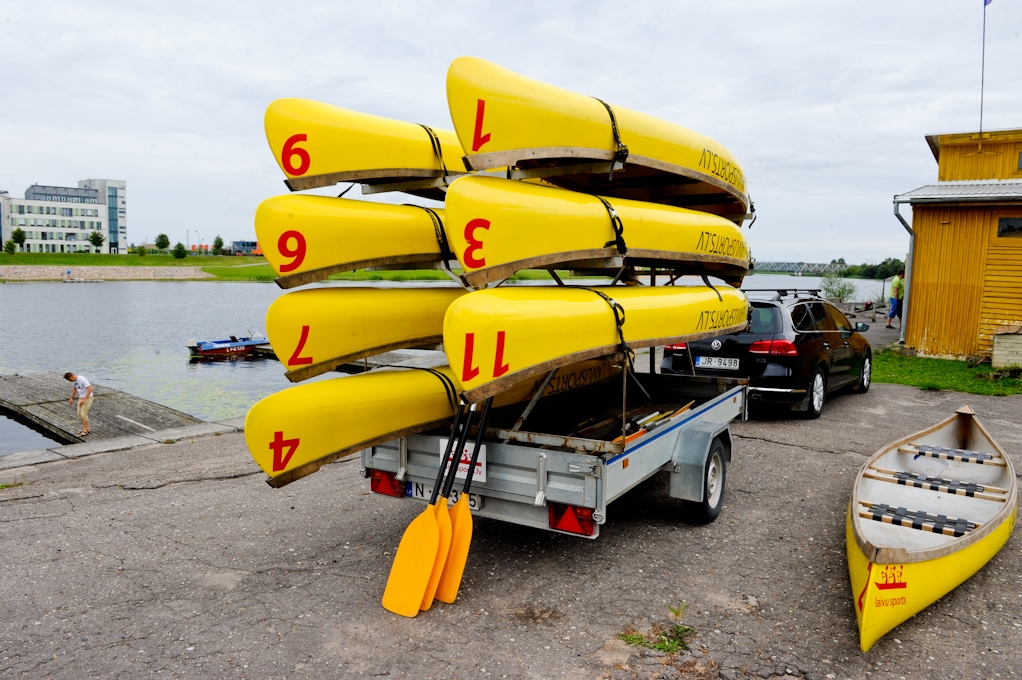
(987, 2)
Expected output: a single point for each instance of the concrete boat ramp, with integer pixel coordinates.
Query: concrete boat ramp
(118, 420)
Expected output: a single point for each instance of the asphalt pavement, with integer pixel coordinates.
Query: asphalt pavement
(178, 560)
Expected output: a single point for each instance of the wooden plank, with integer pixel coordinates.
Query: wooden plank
(41, 398)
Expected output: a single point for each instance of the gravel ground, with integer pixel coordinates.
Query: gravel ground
(17, 272)
(179, 560)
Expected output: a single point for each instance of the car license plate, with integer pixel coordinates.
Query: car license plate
(424, 491)
(726, 363)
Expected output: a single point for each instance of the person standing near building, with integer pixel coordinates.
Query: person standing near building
(896, 298)
(82, 386)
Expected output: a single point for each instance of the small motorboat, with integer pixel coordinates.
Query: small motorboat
(225, 349)
(927, 512)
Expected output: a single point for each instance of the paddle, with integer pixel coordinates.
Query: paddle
(413, 561)
(461, 525)
(443, 517)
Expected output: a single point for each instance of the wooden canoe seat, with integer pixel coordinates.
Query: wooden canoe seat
(954, 486)
(959, 455)
(917, 519)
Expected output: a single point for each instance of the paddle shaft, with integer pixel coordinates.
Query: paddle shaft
(447, 451)
(454, 461)
(477, 446)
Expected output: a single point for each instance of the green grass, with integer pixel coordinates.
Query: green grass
(9, 485)
(944, 374)
(132, 260)
(668, 639)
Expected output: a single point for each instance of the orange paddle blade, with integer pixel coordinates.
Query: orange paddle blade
(413, 564)
(457, 555)
(443, 521)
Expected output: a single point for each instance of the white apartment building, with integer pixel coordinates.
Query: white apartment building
(60, 219)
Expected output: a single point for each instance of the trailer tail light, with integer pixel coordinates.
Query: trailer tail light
(381, 481)
(570, 518)
(678, 346)
(785, 348)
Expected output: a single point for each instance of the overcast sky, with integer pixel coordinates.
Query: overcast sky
(825, 104)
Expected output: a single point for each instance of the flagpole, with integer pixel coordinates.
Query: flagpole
(983, 73)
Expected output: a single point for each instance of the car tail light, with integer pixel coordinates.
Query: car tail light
(681, 346)
(386, 483)
(570, 518)
(774, 347)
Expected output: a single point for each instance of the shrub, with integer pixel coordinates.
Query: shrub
(97, 239)
(836, 287)
(179, 251)
(9, 247)
(142, 251)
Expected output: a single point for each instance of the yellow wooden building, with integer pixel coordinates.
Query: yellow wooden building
(965, 261)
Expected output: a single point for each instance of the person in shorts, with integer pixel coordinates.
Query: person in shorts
(897, 298)
(83, 388)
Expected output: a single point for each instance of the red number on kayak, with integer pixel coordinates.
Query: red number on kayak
(280, 459)
(474, 244)
(297, 254)
(290, 151)
(499, 367)
(478, 138)
(467, 370)
(297, 359)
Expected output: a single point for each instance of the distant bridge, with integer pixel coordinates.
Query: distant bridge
(800, 267)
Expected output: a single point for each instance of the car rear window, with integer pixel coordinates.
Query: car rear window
(801, 320)
(765, 320)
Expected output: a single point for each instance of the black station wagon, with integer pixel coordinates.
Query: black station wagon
(797, 349)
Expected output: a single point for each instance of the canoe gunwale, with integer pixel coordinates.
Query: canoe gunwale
(481, 277)
(497, 386)
(889, 555)
(511, 157)
(306, 469)
(322, 367)
(314, 275)
(379, 175)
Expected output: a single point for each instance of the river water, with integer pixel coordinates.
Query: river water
(132, 335)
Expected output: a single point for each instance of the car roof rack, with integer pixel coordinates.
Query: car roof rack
(781, 293)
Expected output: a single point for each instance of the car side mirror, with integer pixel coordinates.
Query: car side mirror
(861, 327)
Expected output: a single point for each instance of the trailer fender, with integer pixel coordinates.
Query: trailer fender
(689, 458)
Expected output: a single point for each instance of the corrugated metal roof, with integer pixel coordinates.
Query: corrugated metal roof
(963, 192)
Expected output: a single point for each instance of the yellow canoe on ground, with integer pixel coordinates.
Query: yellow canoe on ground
(498, 226)
(318, 145)
(499, 336)
(308, 238)
(293, 433)
(505, 119)
(315, 331)
(927, 512)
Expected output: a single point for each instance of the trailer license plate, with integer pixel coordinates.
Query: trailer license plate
(423, 492)
(725, 363)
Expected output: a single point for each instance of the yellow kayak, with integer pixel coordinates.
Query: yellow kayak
(315, 331)
(292, 433)
(499, 336)
(505, 119)
(318, 145)
(308, 238)
(498, 226)
(927, 512)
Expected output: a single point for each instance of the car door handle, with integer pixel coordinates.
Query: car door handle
(827, 345)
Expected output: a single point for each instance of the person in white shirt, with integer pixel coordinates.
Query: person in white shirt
(82, 386)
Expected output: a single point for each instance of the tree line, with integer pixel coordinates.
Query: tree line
(884, 270)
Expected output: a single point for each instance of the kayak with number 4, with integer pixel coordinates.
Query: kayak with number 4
(498, 226)
(318, 145)
(499, 336)
(574, 141)
(308, 238)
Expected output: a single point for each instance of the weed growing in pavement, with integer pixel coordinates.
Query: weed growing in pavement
(669, 639)
(10, 485)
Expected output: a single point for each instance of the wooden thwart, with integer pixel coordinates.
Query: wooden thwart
(957, 455)
(917, 519)
(934, 484)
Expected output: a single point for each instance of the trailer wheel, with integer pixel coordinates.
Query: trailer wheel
(714, 478)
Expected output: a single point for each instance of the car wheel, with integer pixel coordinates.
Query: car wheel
(865, 375)
(816, 395)
(714, 478)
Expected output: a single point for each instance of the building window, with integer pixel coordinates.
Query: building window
(1010, 227)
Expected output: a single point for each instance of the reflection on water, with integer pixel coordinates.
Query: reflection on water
(131, 335)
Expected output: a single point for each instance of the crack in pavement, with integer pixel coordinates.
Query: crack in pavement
(797, 446)
(178, 481)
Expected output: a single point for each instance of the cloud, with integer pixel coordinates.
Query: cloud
(825, 104)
